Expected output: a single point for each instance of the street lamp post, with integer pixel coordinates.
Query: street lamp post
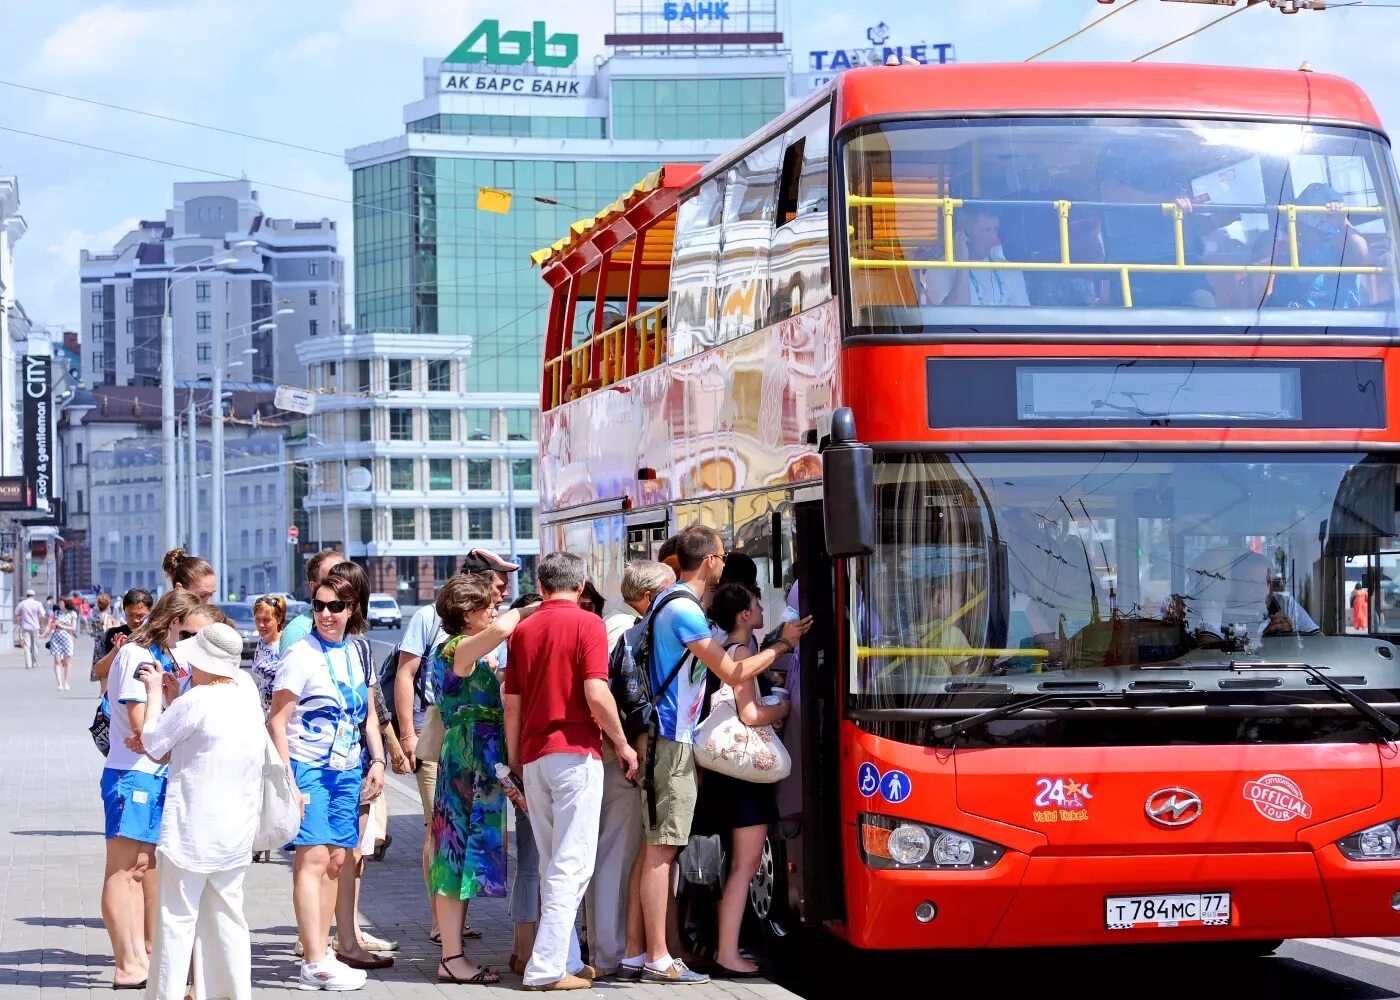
(167, 386)
(216, 445)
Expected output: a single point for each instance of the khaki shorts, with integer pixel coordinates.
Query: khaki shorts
(675, 790)
(427, 787)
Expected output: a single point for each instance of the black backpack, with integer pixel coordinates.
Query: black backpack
(629, 677)
(389, 670)
(629, 671)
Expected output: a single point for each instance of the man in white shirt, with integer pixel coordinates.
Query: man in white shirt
(30, 615)
(978, 239)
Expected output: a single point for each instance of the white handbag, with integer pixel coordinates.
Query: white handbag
(279, 815)
(749, 753)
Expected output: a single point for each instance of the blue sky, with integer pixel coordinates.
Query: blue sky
(329, 74)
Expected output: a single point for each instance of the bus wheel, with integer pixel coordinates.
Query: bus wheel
(768, 893)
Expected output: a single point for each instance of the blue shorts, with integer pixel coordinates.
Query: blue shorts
(333, 806)
(132, 802)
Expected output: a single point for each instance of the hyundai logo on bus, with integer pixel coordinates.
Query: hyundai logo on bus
(894, 786)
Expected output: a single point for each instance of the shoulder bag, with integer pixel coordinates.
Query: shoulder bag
(279, 813)
(749, 753)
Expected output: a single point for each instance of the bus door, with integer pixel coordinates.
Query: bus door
(646, 530)
(816, 853)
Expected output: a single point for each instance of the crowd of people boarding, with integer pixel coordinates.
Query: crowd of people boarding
(496, 707)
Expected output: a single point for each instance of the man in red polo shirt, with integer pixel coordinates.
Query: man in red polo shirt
(557, 710)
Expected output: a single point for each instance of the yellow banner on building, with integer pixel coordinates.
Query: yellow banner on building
(493, 200)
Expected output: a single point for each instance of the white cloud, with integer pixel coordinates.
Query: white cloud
(96, 41)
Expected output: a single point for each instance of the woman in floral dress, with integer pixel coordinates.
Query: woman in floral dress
(62, 637)
(469, 821)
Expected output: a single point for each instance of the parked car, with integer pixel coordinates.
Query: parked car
(240, 616)
(384, 610)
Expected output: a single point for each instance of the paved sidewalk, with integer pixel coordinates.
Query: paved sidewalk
(52, 942)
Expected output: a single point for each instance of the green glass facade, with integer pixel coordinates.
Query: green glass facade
(518, 126)
(695, 108)
(427, 260)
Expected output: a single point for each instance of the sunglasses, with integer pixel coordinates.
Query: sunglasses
(334, 607)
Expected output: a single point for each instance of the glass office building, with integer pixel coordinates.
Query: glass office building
(430, 260)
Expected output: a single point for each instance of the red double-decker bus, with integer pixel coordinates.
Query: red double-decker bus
(1060, 395)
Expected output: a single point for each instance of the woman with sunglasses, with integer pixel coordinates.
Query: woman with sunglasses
(320, 701)
(133, 785)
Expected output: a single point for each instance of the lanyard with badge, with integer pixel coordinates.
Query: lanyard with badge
(347, 731)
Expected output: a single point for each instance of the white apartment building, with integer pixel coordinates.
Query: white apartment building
(230, 269)
(447, 470)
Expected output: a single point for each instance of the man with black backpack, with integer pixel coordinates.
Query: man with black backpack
(679, 648)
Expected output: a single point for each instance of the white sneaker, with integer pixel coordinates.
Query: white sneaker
(329, 974)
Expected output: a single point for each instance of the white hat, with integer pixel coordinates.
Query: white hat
(29, 593)
(216, 649)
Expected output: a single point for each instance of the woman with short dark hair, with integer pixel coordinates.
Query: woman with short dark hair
(320, 702)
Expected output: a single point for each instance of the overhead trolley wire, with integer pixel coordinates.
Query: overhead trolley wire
(1071, 37)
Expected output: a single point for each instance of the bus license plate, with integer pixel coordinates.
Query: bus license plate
(1175, 910)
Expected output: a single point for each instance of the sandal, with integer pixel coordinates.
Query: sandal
(435, 937)
(485, 976)
(470, 933)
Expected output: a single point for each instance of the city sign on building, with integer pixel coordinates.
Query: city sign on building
(826, 63)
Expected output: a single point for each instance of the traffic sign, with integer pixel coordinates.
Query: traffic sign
(293, 532)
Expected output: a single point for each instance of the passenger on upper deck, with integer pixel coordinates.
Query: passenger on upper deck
(977, 239)
(1139, 179)
(1325, 239)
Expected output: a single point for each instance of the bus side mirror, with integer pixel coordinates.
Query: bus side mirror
(848, 490)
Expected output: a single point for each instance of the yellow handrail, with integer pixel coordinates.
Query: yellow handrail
(613, 354)
(879, 652)
(1125, 270)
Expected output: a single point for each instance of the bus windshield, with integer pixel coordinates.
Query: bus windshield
(1115, 224)
(996, 565)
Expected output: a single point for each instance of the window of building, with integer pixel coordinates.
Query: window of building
(201, 291)
(366, 425)
(129, 323)
(364, 373)
(312, 327)
(78, 453)
(311, 297)
(258, 541)
(243, 540)
(478, 425)
(400, 425)
(478, 473)
(128, 294)
(518, 425)
(439, 425)
(439, 473)
(444, 567)
(202, 322)
(97, 331)
(79, 505)
(330, 371)
(313, 268)
(203, 351)
(130, 355)
(401, 474)
(522, 474)
(479, 523)
(258, 494)
(400, 373)
(403, 526)
(440, 524)
(366, 525)
(439, 376)
(243, 495)
(97, 300)
(524, 522)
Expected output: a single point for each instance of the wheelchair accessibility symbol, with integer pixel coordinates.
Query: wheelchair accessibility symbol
(868, 779)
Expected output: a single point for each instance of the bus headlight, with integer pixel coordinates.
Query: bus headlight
(1375, 843)
(889, 843)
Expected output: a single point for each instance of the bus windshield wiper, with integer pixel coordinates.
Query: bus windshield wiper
(1383, 723)
(955, 729)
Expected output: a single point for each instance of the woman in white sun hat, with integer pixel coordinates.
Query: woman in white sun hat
(214, 738)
